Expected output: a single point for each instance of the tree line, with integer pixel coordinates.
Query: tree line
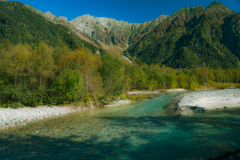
(43, 75)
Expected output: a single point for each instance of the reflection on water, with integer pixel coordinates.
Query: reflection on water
(140, 131)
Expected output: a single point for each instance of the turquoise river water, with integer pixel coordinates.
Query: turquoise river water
(140, 131)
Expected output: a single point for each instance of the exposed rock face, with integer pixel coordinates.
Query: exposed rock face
(111, 31)
(105, 30)
(64, 21)
(63, 18)
(49, 16)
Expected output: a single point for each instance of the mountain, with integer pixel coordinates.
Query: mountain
(189, 38)
(111, 31)
(19, 24)
(193, 37)
(64, 21)
(112, 35)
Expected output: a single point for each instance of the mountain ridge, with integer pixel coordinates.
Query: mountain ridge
(104, 32)
(191, 37)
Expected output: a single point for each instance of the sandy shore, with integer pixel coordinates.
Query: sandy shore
(200, 101)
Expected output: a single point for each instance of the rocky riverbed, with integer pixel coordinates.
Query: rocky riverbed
(201, 101)
(119, 103)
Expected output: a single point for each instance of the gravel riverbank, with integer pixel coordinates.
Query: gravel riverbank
(16, 117)
(201, 101)
(22, 116)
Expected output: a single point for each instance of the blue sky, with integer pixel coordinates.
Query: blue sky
(133, 11)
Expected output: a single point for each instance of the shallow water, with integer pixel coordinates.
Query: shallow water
(140, 131)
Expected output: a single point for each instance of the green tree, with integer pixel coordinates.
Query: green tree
(112, 72)
(67, 86)
(42, 64)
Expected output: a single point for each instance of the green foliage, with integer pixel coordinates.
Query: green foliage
(66, 87)
(191, 37)
(193, 83)
(45, 76)
(238, 86)
(112, 72)
(21, 96)
(20, 24)
(171, 80)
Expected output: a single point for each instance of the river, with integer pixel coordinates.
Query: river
(140, 131)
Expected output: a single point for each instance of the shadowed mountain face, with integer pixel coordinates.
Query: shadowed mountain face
(192, 37)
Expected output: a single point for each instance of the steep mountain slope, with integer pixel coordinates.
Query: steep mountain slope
(19, 24)
(193, 37)
(64, 21)
(110, 31)
(140, 30)
(110, 34)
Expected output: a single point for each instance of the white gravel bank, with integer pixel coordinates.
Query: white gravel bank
(201, 101)
(212, 99)
(22, 116)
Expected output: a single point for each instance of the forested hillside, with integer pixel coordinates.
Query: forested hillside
(19, 24)
(43, 75)
(193, 37)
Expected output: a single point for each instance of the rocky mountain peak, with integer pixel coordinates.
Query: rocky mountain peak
(105, 30)
(49, 15)
(63, 18)
(110, 31)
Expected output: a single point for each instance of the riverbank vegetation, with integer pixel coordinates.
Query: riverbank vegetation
(43, 75)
